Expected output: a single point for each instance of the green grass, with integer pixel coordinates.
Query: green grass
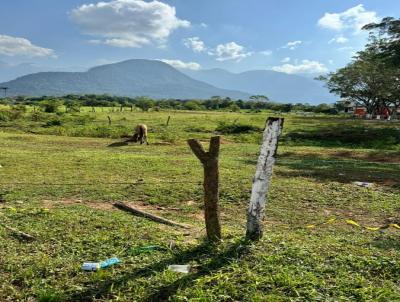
(77, 168)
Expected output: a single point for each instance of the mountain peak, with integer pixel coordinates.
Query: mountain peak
(133, 77)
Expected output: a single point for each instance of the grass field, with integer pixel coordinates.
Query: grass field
(60, 172)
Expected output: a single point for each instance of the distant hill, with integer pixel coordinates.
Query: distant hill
(128, 78)
(12, 71)
(278, 86)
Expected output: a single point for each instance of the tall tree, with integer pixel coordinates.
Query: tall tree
(387, 33)
(372, 79)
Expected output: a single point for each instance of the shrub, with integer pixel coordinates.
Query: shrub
(54, 122)
(50, 106)
(5, 115)
(11, 115)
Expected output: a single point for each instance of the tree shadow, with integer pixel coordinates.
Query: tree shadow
(343, 170)
(338, 135)
(387, 243)
(120, 144)
(216, 257)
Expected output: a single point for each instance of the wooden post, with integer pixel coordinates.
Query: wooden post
(169, 117)
(262, 178)
(109, 120)
(211, 184)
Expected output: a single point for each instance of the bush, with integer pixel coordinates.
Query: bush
(11, 115)
(5, 115)
(20, 107)
(233, 128)
(50, 106)
(52, 123)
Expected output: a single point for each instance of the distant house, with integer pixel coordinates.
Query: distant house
(360, 111)
(352, 108)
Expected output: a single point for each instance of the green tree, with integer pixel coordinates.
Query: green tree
(259, 98)
(73, 106)
(144, 103)
(50, 106)
(386, 36)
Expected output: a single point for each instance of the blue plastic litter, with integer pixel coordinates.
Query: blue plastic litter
(109, 262)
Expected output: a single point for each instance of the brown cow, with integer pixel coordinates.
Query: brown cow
(140, 134)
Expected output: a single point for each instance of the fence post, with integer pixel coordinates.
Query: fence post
(262, 178)
(169, 117)
(109, 120)
(209, 161)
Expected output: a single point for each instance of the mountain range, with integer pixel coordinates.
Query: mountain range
(277, 86)
(157, 79)
(128, 78)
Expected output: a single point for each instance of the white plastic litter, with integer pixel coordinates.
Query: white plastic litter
(363, 184)
(179, 268)
(91, 266)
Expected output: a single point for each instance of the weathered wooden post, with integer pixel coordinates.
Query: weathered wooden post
(169, 117)
(211, 184)
(262, 178)
(109, 120)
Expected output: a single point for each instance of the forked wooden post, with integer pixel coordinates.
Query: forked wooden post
(262, 178)
(109, 119)
(211, 184)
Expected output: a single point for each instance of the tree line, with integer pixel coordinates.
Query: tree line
(372, 78)
(73, 103)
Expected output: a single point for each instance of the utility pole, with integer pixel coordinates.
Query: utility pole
(5, 90)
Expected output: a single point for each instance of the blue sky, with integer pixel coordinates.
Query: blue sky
(305, 37)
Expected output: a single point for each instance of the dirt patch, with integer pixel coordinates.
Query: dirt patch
(72, 202)
(224, 141)
(108, 206)
(359, 216)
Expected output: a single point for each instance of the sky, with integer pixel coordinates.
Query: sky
(297, 37)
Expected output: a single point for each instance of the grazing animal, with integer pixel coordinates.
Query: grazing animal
(140, 134)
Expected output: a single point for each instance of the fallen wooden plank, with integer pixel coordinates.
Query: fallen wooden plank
(152, 217)
(19, 233)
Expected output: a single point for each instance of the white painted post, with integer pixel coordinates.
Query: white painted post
(261, 180)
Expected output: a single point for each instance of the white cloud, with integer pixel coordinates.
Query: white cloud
(285, 60)
(14, 46)
(182, 65)
(128, 23)
(222, 52)
(195, 44)
(230, 51)
(306, 66)
(330, 62)
(346, 48)
(203, 25)
(354, 18)
(266, 52)
(293, 45)
(339, 39)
